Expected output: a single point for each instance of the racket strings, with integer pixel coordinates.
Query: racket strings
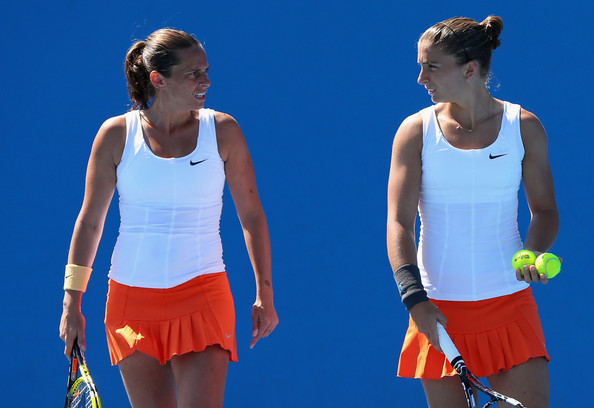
(80, 395)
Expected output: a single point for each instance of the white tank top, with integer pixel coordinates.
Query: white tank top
(468, 208)
(170, 210)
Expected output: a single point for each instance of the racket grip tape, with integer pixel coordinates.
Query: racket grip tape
(447, 345)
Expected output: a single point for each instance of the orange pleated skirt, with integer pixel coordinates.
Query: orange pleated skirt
(167, 322)
(492, 335)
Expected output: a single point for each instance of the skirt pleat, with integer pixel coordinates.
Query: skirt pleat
(166, 322)
(492, 335)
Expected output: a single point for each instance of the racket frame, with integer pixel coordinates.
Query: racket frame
(78, 363)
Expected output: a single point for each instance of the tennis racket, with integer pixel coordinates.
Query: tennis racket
(469, 379)
(81, 391)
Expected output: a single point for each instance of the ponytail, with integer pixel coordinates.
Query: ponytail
(140, 89)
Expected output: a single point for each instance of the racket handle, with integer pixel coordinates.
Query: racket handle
(446, 343)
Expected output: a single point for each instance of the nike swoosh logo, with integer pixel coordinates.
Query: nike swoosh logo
(402, 291)
(195, 163)
(496, 156)
(229, 335)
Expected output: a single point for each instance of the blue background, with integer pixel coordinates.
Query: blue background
(319, 88)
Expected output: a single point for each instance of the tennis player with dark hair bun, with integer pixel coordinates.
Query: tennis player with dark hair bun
(459, 164)
(169, 316)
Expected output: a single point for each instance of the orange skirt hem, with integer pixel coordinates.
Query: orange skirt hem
(166, 322)
(492, 336)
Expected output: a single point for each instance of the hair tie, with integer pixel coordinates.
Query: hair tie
(459, 40)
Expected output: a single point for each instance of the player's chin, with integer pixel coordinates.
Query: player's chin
(436, 99)
(199, 101)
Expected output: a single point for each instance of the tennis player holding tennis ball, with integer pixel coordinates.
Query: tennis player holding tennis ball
(460, 162)
(169, 316)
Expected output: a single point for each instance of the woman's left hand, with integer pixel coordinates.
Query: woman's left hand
(264, 320)
(530, 274)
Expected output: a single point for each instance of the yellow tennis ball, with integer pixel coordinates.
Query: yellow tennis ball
(523, 257)
(548, 264)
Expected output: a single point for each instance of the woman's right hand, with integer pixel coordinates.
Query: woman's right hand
(425, 315)
(72, 322)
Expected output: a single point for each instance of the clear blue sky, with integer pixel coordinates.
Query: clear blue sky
(319, 88)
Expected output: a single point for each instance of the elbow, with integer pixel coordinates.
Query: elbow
(546, 223)
(253, 219)
(548, 215)
(87, 224)
(397, 228)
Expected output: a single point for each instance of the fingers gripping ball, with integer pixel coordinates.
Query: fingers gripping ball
(523, 257)
(548, 264)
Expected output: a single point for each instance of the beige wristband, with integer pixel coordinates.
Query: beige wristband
(76, 277)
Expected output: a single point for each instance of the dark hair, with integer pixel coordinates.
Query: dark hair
(157, 53)
(466, 39)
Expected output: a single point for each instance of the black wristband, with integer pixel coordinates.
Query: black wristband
(410, 287)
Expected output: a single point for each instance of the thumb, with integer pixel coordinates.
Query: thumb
(254, 322)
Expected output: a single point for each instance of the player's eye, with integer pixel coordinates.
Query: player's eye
(198, 72)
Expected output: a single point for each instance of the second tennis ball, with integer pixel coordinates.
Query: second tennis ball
(548, 264)
(523, 257)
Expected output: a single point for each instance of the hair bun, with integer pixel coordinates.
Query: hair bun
(493, 25)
